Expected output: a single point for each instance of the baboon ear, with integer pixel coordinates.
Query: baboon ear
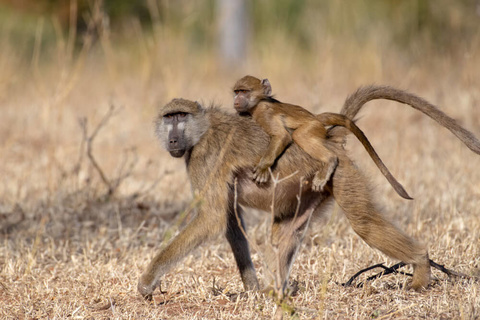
(267, 87)
(199, 106)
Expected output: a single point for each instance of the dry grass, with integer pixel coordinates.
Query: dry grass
(70, 252)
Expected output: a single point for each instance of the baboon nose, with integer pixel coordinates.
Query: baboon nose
(173, 141)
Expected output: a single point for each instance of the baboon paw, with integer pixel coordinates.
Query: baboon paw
(419, 282)
(318, 183)
(146, 290)
(421, 275)
(417, 286)
(261, 176)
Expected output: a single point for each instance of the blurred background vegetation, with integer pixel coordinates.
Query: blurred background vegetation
(414, 29)
(150, 50)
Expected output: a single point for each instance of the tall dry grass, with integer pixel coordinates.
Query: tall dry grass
(69, 251)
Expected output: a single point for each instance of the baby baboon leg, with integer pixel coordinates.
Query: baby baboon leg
(321, 178)
(240, 248)
(310, 137)
(351, 192)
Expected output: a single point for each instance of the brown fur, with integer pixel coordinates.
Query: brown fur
(227, 148)
(359, 98)
(286, 123)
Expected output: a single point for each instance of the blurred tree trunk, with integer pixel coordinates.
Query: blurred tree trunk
(232, 32)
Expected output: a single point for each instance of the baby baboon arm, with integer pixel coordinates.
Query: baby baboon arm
(280, 138)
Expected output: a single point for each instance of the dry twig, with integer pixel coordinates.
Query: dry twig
(394, 269)
(88, 139)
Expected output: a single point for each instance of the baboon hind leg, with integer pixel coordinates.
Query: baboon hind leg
(286, 237)
(351, 192)
(311, 138)
(240, 248)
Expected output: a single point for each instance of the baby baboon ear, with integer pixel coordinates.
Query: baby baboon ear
(267, 87)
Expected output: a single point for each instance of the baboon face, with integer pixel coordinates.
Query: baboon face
(248, 92)
(180, 128)
(176, 142)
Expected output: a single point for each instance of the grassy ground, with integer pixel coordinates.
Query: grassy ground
(69, 250)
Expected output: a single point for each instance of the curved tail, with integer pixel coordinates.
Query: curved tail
(357, 100)
(332, 119)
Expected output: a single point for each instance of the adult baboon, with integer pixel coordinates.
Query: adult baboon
(220, 147)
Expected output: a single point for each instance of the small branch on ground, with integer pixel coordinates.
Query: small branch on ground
(394, 269)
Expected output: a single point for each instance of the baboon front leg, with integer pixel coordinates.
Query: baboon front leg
(240, 248)
(194, 234)
(352, 195)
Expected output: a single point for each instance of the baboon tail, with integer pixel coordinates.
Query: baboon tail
(355, 102)
(328, 118)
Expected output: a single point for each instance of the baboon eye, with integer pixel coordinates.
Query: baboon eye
(180, 115)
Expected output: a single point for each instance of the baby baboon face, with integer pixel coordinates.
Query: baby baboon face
(248, 92)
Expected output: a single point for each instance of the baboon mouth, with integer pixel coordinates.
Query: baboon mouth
(240, 109)
(243, 113)
(177, 153)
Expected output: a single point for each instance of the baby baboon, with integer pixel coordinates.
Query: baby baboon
(286, 122)
(215, 159)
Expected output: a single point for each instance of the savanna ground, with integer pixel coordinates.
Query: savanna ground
(71, 250)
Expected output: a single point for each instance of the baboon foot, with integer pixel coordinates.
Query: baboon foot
(291, 290)
(261, 174)
(319, 182)
(250, 281)
(421, 276)
(146, 287)
(321, 177)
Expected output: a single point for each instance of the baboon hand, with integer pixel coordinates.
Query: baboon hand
(260, 173)
(318, 182)
(146, 287)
